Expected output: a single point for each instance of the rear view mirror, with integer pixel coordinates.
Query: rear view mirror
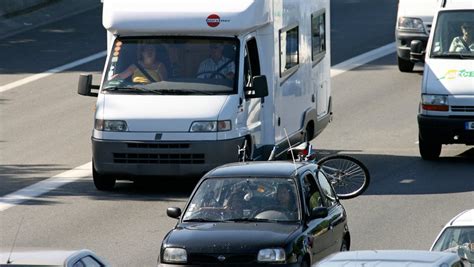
(258, 89)
(416, 51)
(173, 212)
(85, 85)
(317, 213)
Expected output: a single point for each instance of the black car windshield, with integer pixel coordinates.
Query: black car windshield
(458, 240)
(244, 200)
(454, 35)
(170, 66)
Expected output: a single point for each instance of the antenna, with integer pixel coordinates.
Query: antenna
(9, 261)
(291, 151)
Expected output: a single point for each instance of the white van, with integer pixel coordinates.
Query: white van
(414, 20)
(188, 82)
(446, 113)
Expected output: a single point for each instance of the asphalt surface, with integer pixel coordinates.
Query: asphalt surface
(45, 130)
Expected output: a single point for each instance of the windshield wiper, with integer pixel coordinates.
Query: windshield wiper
(185, 91)
(202, 220)
(457, 56)
(132, 88)
(250, 220)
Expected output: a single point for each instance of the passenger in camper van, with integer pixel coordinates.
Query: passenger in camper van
(147, 69)
(217, 66)
(464, 43)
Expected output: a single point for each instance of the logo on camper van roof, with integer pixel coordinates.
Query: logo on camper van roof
(214, 20)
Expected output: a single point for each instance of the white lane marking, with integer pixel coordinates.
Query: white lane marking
(85, 170)
(363, 59)
(40, 188)
(47, 73)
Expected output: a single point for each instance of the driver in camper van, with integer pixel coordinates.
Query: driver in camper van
(464, 43)
(147, 69)
(217, 66)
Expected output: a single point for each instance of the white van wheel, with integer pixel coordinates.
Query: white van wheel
(429, 150)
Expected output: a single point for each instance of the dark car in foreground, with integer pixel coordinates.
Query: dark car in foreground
(257, 214)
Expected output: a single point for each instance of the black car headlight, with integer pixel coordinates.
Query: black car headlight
(175, 255)
(271, 255)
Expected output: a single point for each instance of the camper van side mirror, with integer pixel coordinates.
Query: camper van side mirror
(259, 87)
(85, 85)
(416, 51)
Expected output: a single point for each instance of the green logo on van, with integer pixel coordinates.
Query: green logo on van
(453, 74)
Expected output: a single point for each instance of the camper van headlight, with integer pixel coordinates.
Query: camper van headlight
(110, 125)
(435, 102)
(411, 24)
(271, 255)
(210, 126)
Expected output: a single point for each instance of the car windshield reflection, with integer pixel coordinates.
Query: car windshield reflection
(244, 200)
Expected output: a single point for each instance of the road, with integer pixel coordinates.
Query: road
(45, 130)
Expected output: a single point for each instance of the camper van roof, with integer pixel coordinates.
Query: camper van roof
(171, 17)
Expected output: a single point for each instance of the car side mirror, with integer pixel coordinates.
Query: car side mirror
(416, 51)
(173, 212)
(258, 89)
(85, 85)
(319, 212)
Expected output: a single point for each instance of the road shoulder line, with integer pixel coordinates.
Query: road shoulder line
(40, 188)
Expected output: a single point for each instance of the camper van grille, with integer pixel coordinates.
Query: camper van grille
(462, 108)
(133, 158)
(158, 146)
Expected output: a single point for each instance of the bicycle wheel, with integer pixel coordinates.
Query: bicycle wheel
(348, 176)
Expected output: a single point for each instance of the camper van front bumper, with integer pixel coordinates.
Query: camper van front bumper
(445, 130)
(138, 158)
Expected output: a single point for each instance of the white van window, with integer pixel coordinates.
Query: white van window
(454, 35)
(289, 50)
(318, 35)
(171, 66)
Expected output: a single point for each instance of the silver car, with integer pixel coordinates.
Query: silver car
(457, 236)
(391, 258)
(50, 258)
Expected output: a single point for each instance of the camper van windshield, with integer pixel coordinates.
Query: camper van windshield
(170, 66)
(454, 35)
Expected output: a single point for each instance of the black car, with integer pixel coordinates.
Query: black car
(257, 214)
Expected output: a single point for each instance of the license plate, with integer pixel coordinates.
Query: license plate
(470, 125)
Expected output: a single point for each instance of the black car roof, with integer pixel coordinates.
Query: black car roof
(256, 169)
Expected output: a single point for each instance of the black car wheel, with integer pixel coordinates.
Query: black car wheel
(405, 65)
(102, 182)
(344, 245)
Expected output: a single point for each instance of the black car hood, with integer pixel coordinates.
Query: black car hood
(230, 237)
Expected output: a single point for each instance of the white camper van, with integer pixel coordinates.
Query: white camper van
(446, 114)
(188, 82)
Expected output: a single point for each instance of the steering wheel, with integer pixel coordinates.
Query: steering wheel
(208, 213)
(213, 74)
(266, 210)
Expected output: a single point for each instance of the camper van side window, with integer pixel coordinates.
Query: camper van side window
(289, 51)
(318, 35)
